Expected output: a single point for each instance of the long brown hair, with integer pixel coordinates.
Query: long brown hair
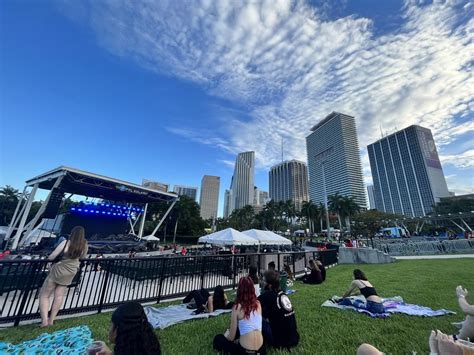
(77, 243)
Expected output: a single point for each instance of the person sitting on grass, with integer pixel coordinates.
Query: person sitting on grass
(373, 301)
(317, 273)
(131, 333)
(253, 274)
(279, 322)
(467, 327)
(246, 318)
(205, 302)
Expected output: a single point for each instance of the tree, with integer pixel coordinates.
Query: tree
(335, 205)
(349, 207)
(9, 197)
(369, 222)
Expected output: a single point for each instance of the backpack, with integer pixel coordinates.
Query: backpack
(291, 338)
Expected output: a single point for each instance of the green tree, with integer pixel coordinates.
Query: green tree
(369, 222)
(9, 197)
(349, 207)
(335, 205)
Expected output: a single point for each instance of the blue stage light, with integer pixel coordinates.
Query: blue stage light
(96, 211)
(114, 206)
(73, 209)
(103, 212)
(79, 209)
(108, 212)
(107, 205)
(86, 210)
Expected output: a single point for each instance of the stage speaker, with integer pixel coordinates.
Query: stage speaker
(54, 203)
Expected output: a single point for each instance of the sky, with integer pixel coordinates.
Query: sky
(173, 90)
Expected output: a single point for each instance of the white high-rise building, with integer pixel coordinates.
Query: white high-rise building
(260, 197)
(242, 181)
(334, 159)
(189, 191)
(209, 198)
(289, 181)
(370, 193)
(407, 174)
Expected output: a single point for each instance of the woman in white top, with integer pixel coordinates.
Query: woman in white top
(247, 318)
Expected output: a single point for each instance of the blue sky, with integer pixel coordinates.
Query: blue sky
(172, 90)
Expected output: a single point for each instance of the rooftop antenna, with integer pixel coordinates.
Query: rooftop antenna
(381, 133)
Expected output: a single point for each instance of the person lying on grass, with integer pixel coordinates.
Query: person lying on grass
(131, 333)
(246, 319)
(279, 322)
(317, 274)
(373, 301)
(205, 302)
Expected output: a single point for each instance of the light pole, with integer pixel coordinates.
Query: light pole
(325, 200)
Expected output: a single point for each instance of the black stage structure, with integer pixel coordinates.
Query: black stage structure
(122, 205)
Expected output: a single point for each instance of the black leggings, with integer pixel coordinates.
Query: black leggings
(221, 343)
(200, 297)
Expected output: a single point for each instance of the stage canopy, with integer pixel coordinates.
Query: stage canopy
(83, 183)
(267, 237)
(228, 236)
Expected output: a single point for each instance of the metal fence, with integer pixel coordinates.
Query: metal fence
(105, 283)
(426, 247)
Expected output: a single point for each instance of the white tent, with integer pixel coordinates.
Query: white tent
(267, 237)
(228, 236)
(151, 238)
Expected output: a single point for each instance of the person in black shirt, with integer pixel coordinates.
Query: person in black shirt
(279, 322)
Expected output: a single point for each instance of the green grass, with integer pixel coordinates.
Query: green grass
(324, 330)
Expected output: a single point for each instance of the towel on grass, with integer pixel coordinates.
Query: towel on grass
(391, 305)
(69, 341)
(164, 317)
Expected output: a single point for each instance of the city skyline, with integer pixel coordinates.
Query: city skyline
(101, 99)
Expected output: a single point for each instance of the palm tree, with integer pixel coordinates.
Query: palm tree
(289, 210)
(335, 205)
(349, 207)
(307, 209)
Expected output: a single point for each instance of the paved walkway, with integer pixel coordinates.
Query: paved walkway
(441, 256)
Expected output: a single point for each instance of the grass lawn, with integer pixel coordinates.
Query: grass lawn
(323, 330)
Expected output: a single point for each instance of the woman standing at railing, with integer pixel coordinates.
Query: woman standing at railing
(65, 260)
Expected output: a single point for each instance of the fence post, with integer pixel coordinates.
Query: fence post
(203, 269)
(234, 270)
(294, 264)
(278, 256)
(26, 293)
(104, 289)
(162, 277)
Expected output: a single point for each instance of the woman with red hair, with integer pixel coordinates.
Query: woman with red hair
(246, 318)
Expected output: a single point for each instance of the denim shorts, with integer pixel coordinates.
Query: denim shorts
(375, 307)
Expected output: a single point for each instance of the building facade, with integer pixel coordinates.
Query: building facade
(227, 203)
(370, 193)
(242, 181)
(189, 191)
(260, 197)
(155, 185)
(209, 199)
(407, 174)
(334, 159)
(289, 181)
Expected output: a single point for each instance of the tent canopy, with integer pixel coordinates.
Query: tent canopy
(267, 237)
(151, 238)
(228, 236)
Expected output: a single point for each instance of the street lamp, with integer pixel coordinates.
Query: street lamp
(325, 198)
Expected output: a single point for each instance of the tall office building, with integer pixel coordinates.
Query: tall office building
(155, 185)
(242, 181)
(209, 199)
(227, 203)
(260, 197)
(407, 174)
(289, 181)
(189, 191)
(370, 193)
(334, 160)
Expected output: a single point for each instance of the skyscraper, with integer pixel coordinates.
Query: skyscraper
(242, 181)
(227, 203)
(260, 197)
(155, 185)
(289, 181)
(334, 160)
(408, 177)
(189, 191)
(209, 199)
(370, 193)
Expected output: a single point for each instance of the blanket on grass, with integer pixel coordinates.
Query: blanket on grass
(391, 305)
(69, 341)
(164, 317)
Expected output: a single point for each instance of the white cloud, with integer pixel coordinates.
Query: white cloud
(462, 160)
(290, 66)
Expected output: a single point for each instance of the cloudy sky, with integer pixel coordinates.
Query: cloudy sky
(172, 90)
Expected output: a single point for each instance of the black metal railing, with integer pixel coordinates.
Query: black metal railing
(105, 283)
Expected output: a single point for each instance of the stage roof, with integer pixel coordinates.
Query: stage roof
(83, 183)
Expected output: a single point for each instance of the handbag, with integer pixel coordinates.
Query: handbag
(60, 256)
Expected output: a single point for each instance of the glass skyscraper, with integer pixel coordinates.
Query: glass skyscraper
(242, 185)
(289, 181)
(334, 159)
(407, 174)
